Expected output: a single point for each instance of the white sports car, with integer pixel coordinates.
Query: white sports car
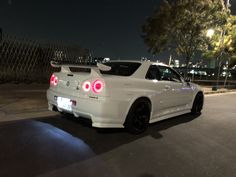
(128, 94)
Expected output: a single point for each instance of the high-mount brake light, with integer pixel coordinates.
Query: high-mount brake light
(53, 80)
(97, 86)
(86, 86)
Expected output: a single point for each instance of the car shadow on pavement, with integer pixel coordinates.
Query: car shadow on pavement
(37, 146)
(103, 140)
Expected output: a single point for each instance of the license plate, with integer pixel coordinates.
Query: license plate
(64, 103)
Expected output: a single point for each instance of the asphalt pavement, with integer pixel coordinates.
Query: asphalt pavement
(23, 101)
(185, 146)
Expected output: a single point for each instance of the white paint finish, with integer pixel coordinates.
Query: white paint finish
(111, 106)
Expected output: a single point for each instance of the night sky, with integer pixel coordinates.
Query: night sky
(109, 28)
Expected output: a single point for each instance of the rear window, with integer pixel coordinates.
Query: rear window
(121, 68)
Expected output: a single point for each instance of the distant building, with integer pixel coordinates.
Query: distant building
(100, 60)
(106, 60)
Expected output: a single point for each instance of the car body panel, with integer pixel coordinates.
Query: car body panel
(110, 107)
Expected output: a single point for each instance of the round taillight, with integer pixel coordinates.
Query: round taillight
(53, 80)
(86, 86)
(97, 86)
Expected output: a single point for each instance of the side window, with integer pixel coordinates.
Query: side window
(153, 73)
(169, 74)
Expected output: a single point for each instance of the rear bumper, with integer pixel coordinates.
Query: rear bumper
(104, 112)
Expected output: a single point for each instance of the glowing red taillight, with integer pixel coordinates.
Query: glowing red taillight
(53, 80)
(97, 86)
(86, 86)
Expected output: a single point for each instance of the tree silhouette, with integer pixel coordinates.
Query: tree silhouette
(181, 26)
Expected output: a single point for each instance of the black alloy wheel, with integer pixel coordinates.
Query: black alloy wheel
(198, 104)
(138, 117)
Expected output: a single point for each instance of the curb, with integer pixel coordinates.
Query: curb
(218, 92)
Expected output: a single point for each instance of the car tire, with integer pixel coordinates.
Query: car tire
(197, 104)
(137, 120)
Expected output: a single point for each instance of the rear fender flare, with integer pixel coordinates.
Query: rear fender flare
(133, 100)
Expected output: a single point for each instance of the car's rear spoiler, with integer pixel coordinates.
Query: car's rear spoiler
(65, 68)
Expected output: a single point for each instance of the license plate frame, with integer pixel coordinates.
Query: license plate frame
(64, 103)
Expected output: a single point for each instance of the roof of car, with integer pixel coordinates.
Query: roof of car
(140, 61)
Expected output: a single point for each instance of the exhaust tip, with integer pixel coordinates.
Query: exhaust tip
(54, 108)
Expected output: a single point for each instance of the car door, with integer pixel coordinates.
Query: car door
(157, 90)
(178, 92)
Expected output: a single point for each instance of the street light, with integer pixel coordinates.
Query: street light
(210, 33)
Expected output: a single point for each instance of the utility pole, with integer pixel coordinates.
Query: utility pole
(226, 5)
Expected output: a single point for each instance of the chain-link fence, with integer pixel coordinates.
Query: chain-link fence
(24, 60)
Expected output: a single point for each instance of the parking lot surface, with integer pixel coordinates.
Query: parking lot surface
(203, 146)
